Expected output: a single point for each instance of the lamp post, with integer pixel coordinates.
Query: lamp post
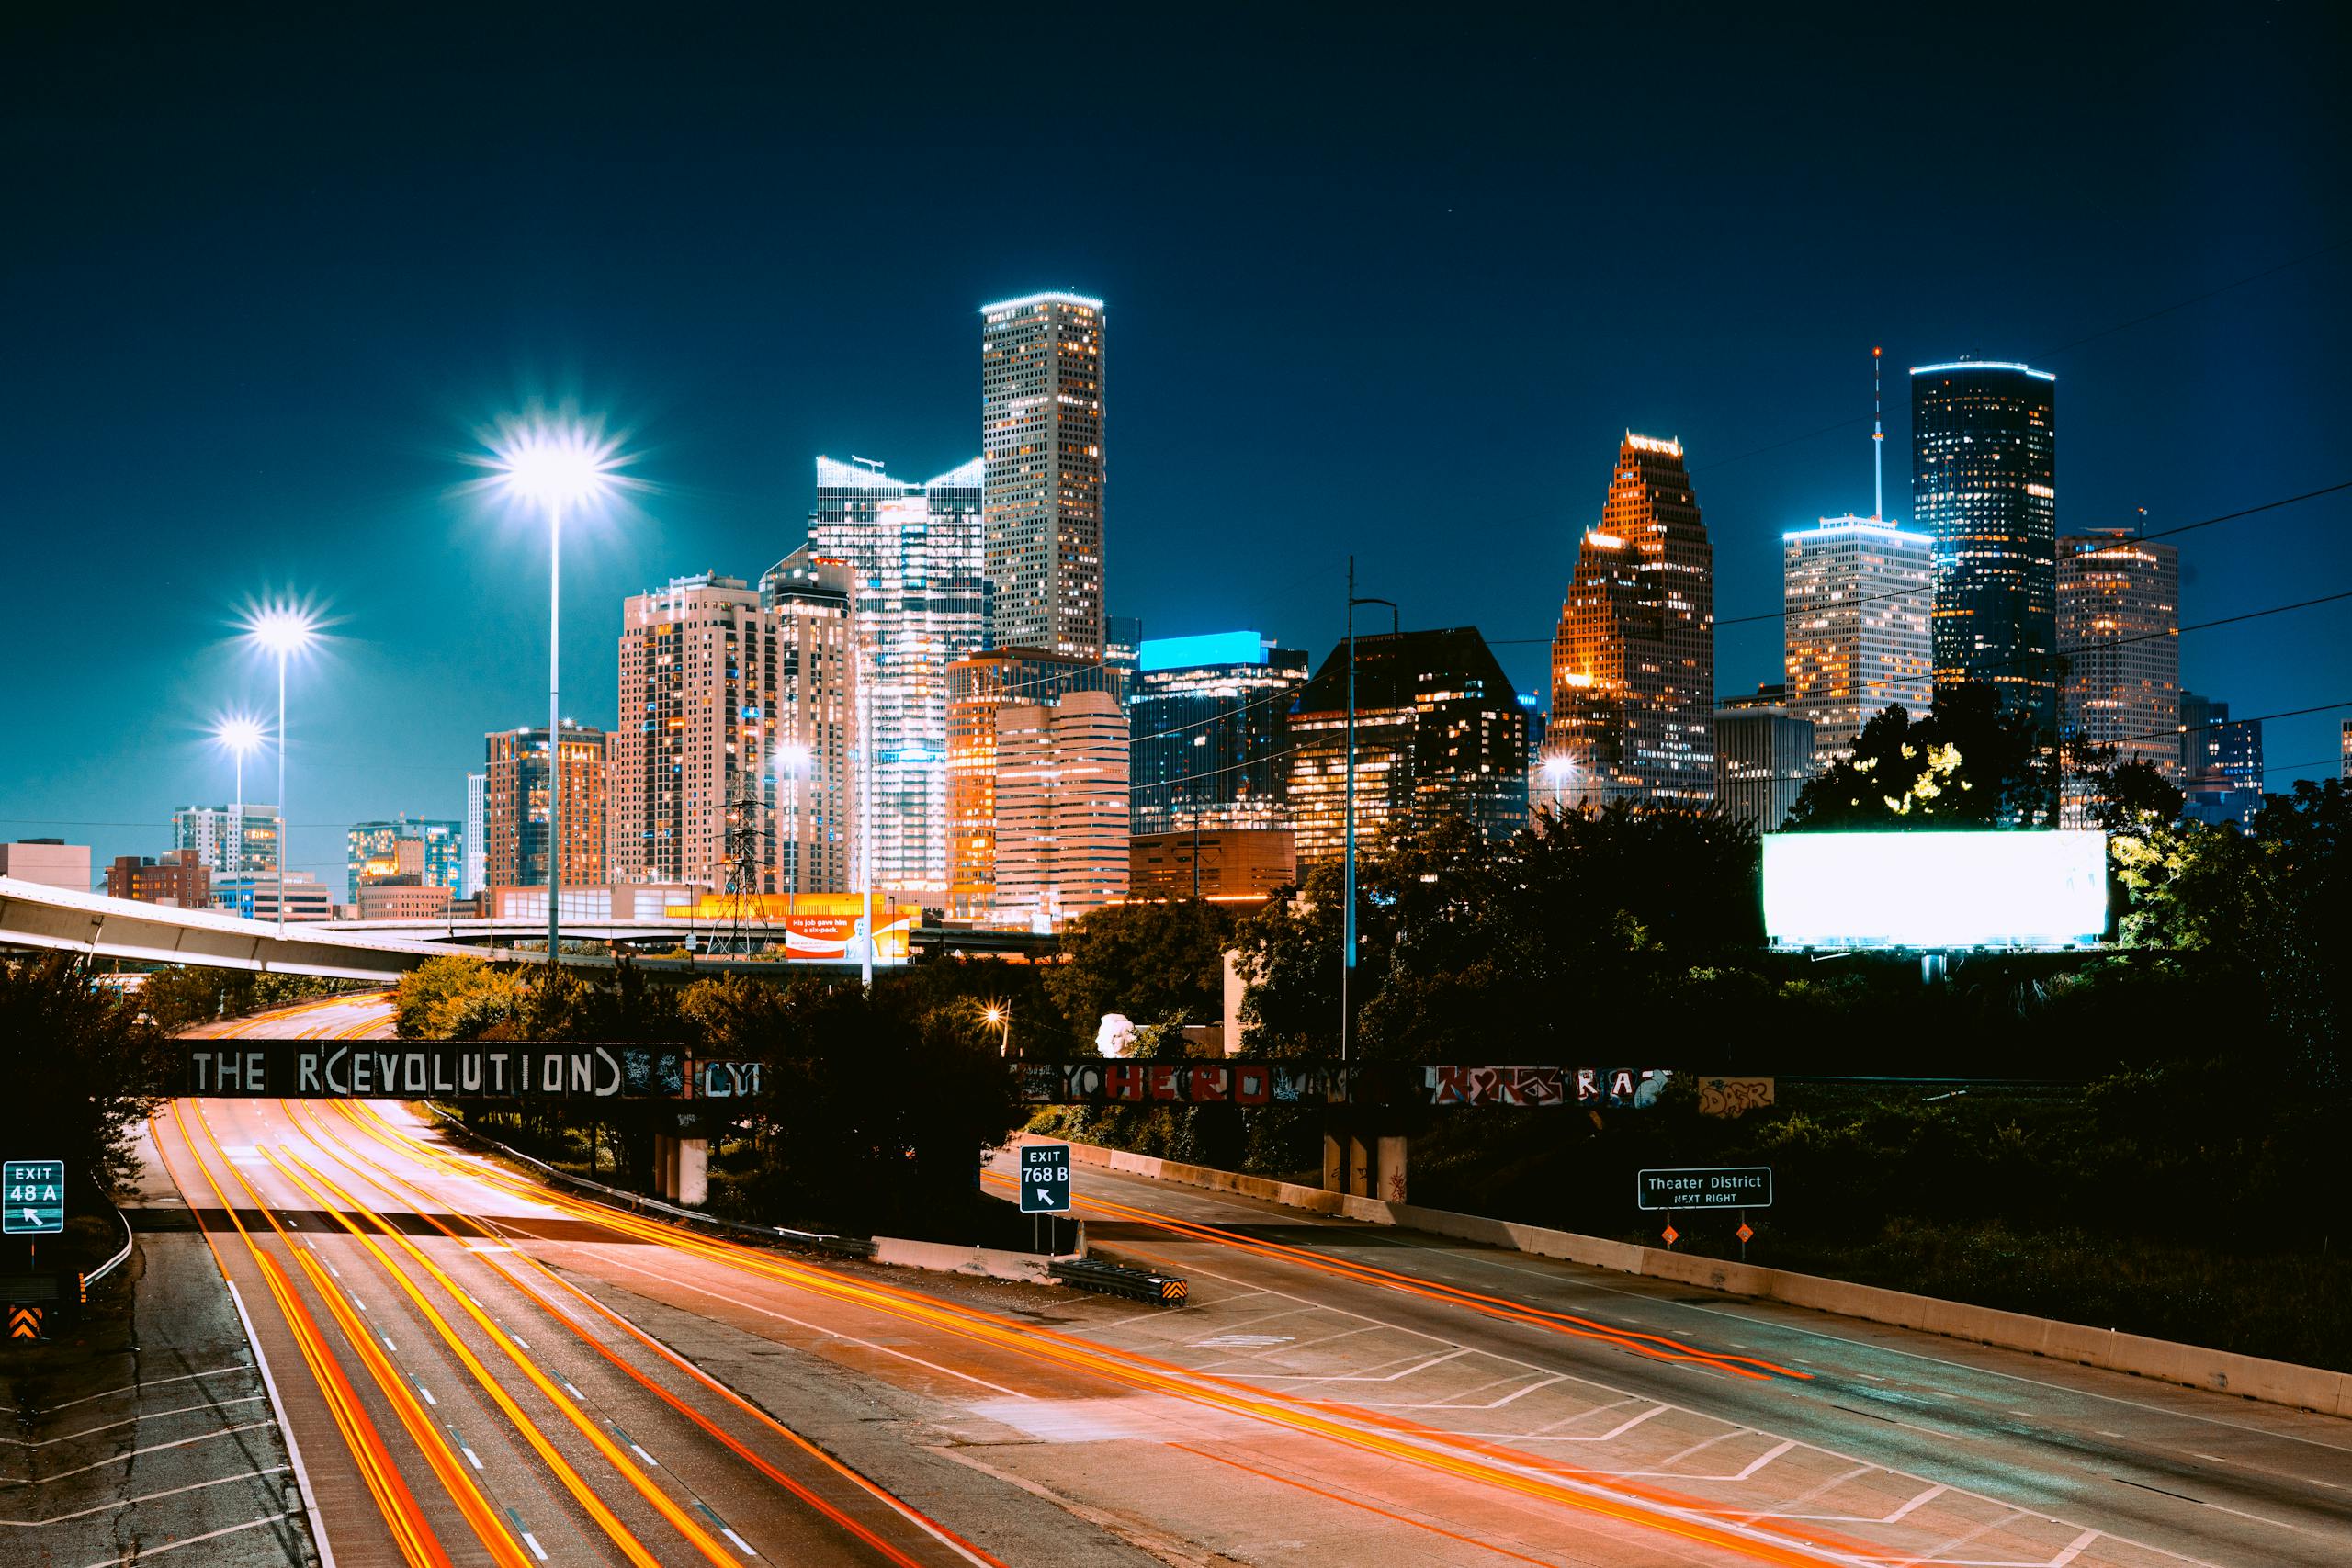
(998, 1017)
(1347, 874)
(1557, 768)
(793, 757)
(282, 631)
(553, 464)
(238, 733)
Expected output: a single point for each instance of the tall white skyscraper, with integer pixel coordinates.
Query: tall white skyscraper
(469, 880)
(1061, 809)
(1041, 420)
(915, 555)
(1857, 597)
(232, 841)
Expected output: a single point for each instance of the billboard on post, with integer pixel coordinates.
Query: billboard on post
(1982, 888)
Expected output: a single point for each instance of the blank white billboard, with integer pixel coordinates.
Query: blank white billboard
(1931, 890)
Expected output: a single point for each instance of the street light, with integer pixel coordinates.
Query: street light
(792, 758)
(998, 1017)
(281, 630)
(239, 733)
(554, 464)
(1556, 770)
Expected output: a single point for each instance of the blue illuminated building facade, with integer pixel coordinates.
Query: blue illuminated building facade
(2221, 763)
(1985, 485)
(1205, 719)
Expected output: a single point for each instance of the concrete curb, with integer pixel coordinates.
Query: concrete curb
(2193, 1366)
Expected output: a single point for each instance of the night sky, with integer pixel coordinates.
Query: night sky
(1381, 283)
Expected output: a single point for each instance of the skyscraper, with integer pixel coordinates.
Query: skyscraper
(916, 557)
(1985, 485)
(977, 688)
(470, 883)
(232, 841)
(1061, 808)
(514, 795)
(1634, 662)
(371, 851)
(1206, 715)
(1041, 418)
(1438, 733)
(1857, 595)
(1764, 752)
(2222, 759)
(698, 673)
(816, 776)
(2118, 632)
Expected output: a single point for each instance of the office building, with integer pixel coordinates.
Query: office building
(1984, 485)
(977, 688)
(1634, 660)
(514, 805)
(2345, 740)
(1223, 863)
(232, 841)
(408, 901)
(1041, 419)
(1765, 750)
(816, 777)
(697, 731)
(1122, 650)
(1206, 717)
(373, 852)
(52, 863)
(1061, 808)
(915, 554)
(2221, 761)
(1439, 734)
(176, 877)
(1856, 599)
(255, 897)
(2118, 632)
(471, 881)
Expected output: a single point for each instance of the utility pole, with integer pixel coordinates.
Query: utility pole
(1347, 874)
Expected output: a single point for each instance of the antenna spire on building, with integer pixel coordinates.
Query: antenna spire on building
(1878, 446)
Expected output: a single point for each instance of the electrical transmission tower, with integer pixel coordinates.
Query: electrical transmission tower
(750, 848)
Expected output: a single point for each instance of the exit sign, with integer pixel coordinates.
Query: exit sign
(36, 1196)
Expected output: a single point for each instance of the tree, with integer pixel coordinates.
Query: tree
(1971, 763)
(81, 1068)
(1146, 961)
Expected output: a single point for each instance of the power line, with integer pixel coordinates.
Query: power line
(2202, 625)
(2225, 723)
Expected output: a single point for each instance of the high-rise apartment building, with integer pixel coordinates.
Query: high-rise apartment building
(372, 853)
(2118, 632)
(817, 776)
(916, 559)
(1041, 418)
(2221, 760)
(514, 795)
(977, 688)
(177, 878)
(1061, 808)
(1856, 598)
(469, 880)
(1206, 715)
(1985, 485)
(1634, 660)
(1765, 750)
(698, 688)
(1438, 733)
(232, 841)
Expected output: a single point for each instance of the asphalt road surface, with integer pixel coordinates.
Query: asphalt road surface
(479, 1368)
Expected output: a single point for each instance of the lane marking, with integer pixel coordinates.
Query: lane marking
(131, 1421)
(194, 1540)
(152, 1383)
(147, 1498)
(150, 1449)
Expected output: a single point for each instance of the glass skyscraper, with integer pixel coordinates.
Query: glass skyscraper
(1206, 715)
(1855, 597)
(916, 555)
(2118, 628)
(1985, 485)
(1041, 422)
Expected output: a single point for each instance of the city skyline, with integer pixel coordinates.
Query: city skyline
(2199, 362)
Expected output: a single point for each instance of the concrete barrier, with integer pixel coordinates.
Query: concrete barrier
(987, 1262)
(2193, 1366)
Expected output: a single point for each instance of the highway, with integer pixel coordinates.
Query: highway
(481, 1370)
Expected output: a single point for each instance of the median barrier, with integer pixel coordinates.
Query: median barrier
(2193, 1366)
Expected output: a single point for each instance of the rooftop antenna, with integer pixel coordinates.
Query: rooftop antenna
(1878, 446)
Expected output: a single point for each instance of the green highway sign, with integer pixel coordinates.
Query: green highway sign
(1718, 1187)
(1044, 1179)
(36, 1196)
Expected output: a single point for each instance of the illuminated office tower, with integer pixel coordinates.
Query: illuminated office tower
(232, 841)
(469, 882)
(815, 778)
(373, 852)
(1634, 660)
(698, 670)
(1061, 808)
(2118, 631)
(977, 688)
(1764, 753)
(1439, 734)
(2221, 760)
(1041, 418)
(514, 797)
(1984, 485)
(1122, 650)
(2345, 740)
(914, 554)
(1206, 719)
(1857, 595)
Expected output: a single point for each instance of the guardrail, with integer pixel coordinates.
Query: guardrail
(1118, 1279)
(111, 1264)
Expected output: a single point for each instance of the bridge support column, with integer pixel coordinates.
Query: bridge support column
(1391, 1185)
(1360, 1182)
(693, 1171)
(665, 1155)
(1335, 1163)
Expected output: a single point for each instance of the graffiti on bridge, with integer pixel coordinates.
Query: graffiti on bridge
(1111, 1081)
